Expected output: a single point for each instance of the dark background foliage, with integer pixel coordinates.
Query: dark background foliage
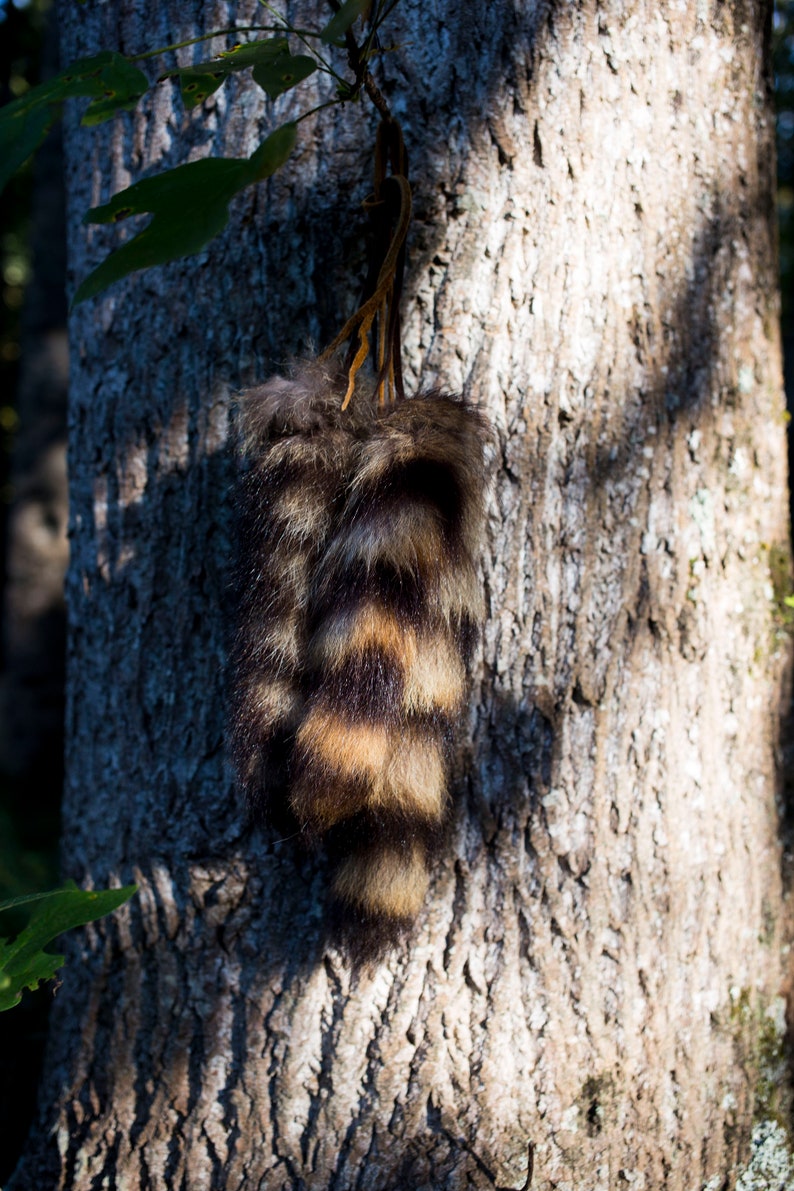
(784, 90)
(28, 801)
(27, 839)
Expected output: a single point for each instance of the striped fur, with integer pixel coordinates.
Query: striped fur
(396, 606)
(359, 604)
(298, 445)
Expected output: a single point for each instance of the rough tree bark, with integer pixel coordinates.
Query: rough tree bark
(594, 994)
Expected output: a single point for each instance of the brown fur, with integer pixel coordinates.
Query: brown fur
(386, 881)
(359, 603)
(297, 445)
(395, 594)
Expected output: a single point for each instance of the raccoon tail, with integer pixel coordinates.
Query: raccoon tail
(395, 611)
(297, 448)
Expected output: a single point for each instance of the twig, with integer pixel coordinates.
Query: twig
(357, 58)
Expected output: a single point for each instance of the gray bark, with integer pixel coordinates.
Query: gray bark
(593, 996)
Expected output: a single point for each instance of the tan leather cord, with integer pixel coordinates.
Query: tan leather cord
(392, 194)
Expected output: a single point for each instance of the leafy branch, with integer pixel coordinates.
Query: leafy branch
(23, 961)
(189, 204)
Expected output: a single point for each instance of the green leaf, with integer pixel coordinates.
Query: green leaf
(274, 151)
(339, 24)
(21, 133)
(254, 52)
(198, 81)
(109, 79)
(23, 962)
(189, 205)
(117, 86)
(284, 72)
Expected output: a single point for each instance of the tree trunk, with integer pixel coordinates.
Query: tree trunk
(594, 993)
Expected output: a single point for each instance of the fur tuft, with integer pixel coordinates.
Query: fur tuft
(359, 606)
(396, 609)
(297, 446)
